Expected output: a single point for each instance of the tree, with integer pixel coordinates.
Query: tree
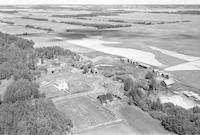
(149, 75)
(21, 89)
(173, 124)
(152, 84)
(33, 117)
(22, 71)
(128, 84)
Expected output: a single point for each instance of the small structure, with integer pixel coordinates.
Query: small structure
(167, 82)
(164, 74)
(192, 94)
(105, 99)
(62, 86)
(124, 60)
(94, 71)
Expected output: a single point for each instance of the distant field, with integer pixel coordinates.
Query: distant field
(58, 27)
(13, 29)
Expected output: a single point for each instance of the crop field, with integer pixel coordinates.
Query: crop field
(84, 112)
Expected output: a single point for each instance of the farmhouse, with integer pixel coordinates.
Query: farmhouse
(105, 99)
(167, 83)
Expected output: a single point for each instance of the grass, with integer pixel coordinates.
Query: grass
(141, 122)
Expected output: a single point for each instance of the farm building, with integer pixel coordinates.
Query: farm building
(143, 65)
(168, 82)
(62, 86)
(192, 94)
(94, 71)
(106, 98)
(124, 59)
(164, 74)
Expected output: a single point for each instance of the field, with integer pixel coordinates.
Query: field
(159, 36)
(84, 112)
(142, 123)
(77, 83)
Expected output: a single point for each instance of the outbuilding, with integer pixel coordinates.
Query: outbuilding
(167, 82)
(105, 99)
(143, 65)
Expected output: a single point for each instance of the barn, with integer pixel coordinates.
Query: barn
(105, 99)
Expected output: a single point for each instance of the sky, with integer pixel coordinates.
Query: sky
(10, 2)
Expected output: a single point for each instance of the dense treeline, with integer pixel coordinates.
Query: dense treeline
(23, 109)
(86, 15)
(54, 51)
(9, 12)
(173, 118)
(39, 28)
(192, 12)
(37, 19)
(16, 57)
(99, 26)
(7, 22)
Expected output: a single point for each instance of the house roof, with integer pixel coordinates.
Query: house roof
(169, 81)
(105, 97)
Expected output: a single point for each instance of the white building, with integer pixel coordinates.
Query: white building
(61, 86)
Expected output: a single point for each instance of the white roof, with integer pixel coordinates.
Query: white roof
(169, 81)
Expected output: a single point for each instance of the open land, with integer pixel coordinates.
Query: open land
(103, 35)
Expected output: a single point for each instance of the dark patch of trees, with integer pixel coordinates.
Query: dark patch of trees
(9, 12)
(37, 19)
(54, 51)
(7, 22)
(39, 28)
(99, 26)
(23, 109)
(32, 117)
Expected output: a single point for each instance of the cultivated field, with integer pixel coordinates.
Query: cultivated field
(85, 113)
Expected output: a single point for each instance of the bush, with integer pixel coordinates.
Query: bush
(157, 114)
(196, 109)
(156, 106)
(174, 124)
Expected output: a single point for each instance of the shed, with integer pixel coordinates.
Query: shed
(106, 98)
(167, 83)
(143, 65)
